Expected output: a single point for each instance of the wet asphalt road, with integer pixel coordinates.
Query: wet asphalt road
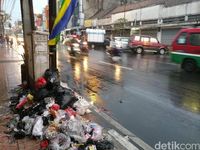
(149, 95)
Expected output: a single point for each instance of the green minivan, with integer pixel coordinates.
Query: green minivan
(186, 49)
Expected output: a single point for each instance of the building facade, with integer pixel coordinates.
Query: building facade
(159, 18)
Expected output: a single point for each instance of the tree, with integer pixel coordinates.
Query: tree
(119, 26)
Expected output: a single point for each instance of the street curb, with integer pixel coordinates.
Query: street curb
(123, 141)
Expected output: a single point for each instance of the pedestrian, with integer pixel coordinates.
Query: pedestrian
(11, 43)
(1, 40)
(7, 40)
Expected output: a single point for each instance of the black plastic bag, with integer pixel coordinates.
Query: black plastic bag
(19, 134)
(41, 94)
(52, 78)
(104, 145)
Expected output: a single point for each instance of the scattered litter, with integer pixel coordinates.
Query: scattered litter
(54, 113)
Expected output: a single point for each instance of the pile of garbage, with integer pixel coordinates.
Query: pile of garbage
(53, 113)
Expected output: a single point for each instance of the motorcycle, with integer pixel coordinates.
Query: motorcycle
(74, 48)
(114, 53)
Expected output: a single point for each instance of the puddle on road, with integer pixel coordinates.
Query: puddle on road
(87, 83)
(192, 105)
(91, 81)
(185, 87)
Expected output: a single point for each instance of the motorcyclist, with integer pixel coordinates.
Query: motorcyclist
(72, 41)
(84, 44)
(115, 51)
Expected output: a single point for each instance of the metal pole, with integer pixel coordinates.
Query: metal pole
(125, 2)
(52, 49)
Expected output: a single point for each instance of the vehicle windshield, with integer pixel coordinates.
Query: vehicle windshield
(125, 40)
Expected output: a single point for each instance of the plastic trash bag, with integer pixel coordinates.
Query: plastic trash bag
(35, 109)
(94, 130)
(18, 134)
(49, 101)
(52, 77)
(51, 132)
(38, 127)
(13, 123)
(100, 145)
(64, 96)
(55, 107)
(60, 142)
(78, 138)
(44, 144)
(28, 124)
(81, 110)
(74, 128)
(64, 85)
(104, 145)
(40, 83)
(70, 112)
(81, 105)
(68, 101)
(61, 114)
(42, 93)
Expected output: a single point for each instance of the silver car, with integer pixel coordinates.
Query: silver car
(121, 42)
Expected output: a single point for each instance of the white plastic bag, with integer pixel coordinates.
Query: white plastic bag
(60, 142)
(38, 127)
(61, 114)
(94, 129)
(81, 105)
(29, 122)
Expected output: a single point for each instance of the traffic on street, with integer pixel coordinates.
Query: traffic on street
(148, 94)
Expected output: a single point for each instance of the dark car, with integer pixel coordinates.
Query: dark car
(141, 43)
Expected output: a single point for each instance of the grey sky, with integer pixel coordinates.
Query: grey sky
(38, 6)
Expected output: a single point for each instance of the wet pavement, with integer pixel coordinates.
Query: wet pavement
(147, 94)
(10, 77)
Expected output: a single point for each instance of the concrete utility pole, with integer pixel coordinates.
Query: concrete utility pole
(28, 27)
(52, 49)
(124, 3)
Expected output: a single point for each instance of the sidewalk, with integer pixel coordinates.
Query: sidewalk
(10, 77)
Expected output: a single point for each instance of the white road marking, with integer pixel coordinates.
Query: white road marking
(123, 141)
(106, 63)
